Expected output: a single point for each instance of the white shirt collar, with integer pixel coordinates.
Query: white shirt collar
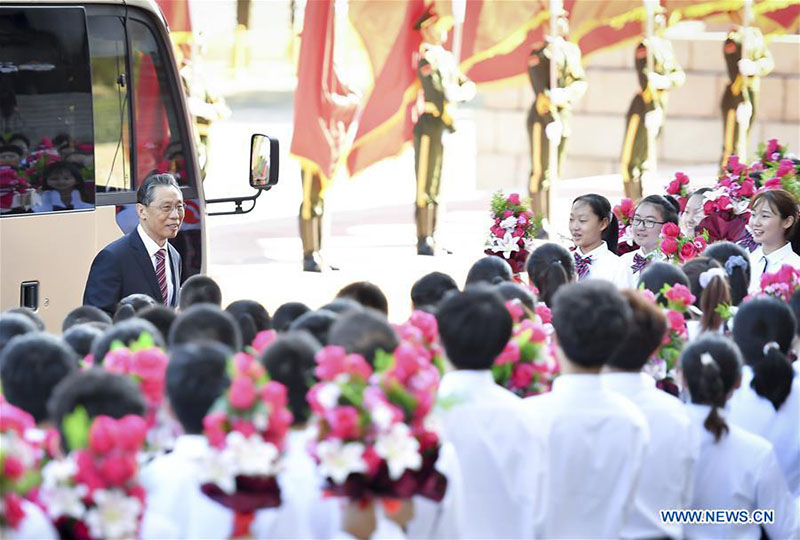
(576, 383)
(777, 255)
(596, 253)
(149, 244)
(628, 383)
(190, 445)
(468, 377)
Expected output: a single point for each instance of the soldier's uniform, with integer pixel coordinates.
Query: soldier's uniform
(442, 85)
(648, 105)
(743, 88)
(572, 80)
(311, 211)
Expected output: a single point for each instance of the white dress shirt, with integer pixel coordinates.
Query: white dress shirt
(50, 200)
(738, 472)
(440, 519)
(774, 261)
(152, 248)
(605, 264)
(499, 452)
(596, 441)
(756, 414)
(666, 477)
(172, 482)
(627, 278)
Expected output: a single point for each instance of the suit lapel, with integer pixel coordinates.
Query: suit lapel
(175, 266)
(144, 261)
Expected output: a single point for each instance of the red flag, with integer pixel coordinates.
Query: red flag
(323, 105)
(386, 125)
(771, 16)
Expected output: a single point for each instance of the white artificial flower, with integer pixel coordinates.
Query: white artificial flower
(433, 423)
(509, 224)
(261, 421)
(509, 245)
(219, 467)
(64, 500)
(627, 236)
(382, 416)
(400, 450)
(58, 472)
(114, 516)
(13, 445)
(338, 461)
(252, 455)
(741, 207)
(328, 395)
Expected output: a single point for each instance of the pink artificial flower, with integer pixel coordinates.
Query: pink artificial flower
(275, 394)
(669, 246)
(688, 251)
(747, 189)
(725, 182)
(676, 320)
(355, 364)
(682, 179)
(522, 221)
(263, 340)
(674, 188)
(426, 322)
(709, 207)
(344, 422)
(118, 360)
(242, 392)
(103, 434)
(723, 203)
(279, 423)
(15, 419)
(213, 429)
(784, 167)
(544, 313)
(514, 199)
(149, 363)
(330, 362)
(406, 361)
(681, 294)
(245, 427)
(522, 375)
(372, 459)
(538, 334)
(87, 472)
(13, 513)
(772, 147)
(12, 467)
(118, 467)
(647, 293)
(670, 230)
(528, 214)
(700, 243)
(773, 183)
(313, 399)
(516, 310)
(509, 355)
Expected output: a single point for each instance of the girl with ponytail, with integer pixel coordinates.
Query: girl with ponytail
(736, 262)
(734, 468)
(709, 284)
(595, 232)
(768, 402)
(549, 267)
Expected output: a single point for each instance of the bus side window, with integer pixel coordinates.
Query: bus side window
(159, 140)
(110, 90)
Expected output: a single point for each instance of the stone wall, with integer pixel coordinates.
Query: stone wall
(692, 135)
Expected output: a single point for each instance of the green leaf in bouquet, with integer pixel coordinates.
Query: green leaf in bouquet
(447, 403)
(528, 352)
(383, 360)
(116, 344)
(144, 342)
(498, 203)
(439, 363)
(30, 480)
(75, 426)
(353, 392)
(502, 373)
(724, 311)
(400, 396)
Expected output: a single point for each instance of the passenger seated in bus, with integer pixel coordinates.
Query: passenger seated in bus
(62, 189)
(18, 139)
(10, 155)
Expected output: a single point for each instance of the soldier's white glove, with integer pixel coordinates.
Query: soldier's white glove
(559, 97)
(659, 81)
(553, 131)
(747, 67)
(653, 120)
(744, 112)
(467, 91)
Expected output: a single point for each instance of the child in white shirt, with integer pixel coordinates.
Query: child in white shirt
(595, 232)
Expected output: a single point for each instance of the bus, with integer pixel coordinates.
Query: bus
(91, 103)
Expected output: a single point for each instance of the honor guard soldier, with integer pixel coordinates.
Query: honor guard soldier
(747, 59)
(557, 85)
(658, 72)
(442, 86)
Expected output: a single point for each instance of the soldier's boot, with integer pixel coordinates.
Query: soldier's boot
(540, 204)
(633, 189)
(425, 245)
(308, 235)
(317, 220)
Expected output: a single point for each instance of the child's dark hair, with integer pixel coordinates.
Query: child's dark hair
(591, 320)
(13, 325)
(602, 209)
(711, 366)
(736, 262)
(515, 291)
(549, 267)
(317, 323)
(658, 274)
(159, 316)
(489, 269)
(290, 361)
(764, 328)
(206, 322)
(367, 294)
(71, 169)
(431, 288)
(127, 332)
(252, 318)
(667, 207)
(709, 285)
(84, 314)
(200, 289)
(286, 313)
(363, 332)
(196, 377)
(82, 337)
(474, 327)
(645, 335)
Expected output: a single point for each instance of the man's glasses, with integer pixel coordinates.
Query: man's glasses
(167, 209)
(647, 223)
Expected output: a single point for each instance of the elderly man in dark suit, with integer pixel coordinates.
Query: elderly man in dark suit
(142, 261)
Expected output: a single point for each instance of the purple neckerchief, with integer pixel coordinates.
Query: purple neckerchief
(582, 265)
(639, 262)
(747, 242)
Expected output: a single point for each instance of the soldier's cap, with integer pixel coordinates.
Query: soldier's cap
(430, 16)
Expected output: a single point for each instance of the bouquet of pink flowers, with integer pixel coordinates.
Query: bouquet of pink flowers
(246, 430)
(19, 465)
(94, 492)
(781, 284)
(679, 188)
(624, 212)
(422, 331)
(11, 185)
(770, 152)
(662, 364)
(527, 366)
(512, 233)
(784, 174)
(375, 438)
(678, 248)
(727, 205)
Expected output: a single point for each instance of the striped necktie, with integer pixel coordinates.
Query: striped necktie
(161, 273)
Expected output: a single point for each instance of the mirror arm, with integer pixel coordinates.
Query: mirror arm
(237, 201)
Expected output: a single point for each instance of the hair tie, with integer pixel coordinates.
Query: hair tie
(770, 345)
(556, 261)
(706, 359)
(734, 261)
(711, 273)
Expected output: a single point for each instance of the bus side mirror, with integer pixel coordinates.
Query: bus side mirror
(263, 162)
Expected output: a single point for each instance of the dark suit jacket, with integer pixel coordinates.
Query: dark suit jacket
(123, 268)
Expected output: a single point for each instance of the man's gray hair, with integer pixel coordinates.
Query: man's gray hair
(146, 192)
